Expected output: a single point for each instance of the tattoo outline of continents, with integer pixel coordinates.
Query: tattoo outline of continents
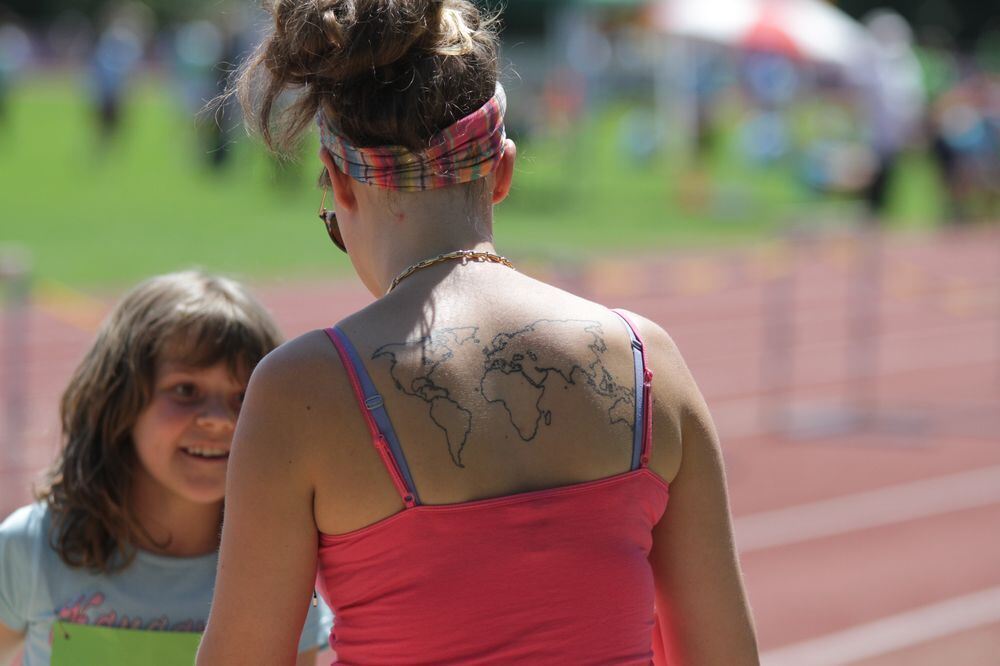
(514, 356)
(516, 360)
(436, 348)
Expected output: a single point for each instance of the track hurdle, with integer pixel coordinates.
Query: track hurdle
(861, 248)
(15, 290)
(777, 362)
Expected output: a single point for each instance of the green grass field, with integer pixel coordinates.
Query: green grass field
(150, 204)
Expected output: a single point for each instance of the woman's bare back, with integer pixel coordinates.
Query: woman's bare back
(524, 387)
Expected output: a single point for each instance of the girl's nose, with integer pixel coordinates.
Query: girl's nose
(216, 414)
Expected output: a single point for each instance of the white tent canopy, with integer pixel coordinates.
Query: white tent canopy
(812, 30)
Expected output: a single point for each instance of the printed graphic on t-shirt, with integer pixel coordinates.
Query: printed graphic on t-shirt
(91, 609)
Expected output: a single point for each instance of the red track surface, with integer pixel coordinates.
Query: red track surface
(928, 389)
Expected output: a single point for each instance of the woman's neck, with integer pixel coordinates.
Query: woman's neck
(408, 229)
(176, 527)
(400, 256)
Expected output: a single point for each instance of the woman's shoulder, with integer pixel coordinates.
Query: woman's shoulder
(673, 384)
(297, 366)
(661, 350)
(300, 392)
(676, 394)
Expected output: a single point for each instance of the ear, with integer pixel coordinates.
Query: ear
(343, 185)
(504, 173)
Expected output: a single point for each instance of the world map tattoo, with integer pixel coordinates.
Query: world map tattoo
(517, 372)
(421, 381)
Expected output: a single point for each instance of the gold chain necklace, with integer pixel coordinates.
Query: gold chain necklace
(464, 255)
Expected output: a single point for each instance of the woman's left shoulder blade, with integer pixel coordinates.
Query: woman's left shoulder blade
(294, 395)
(294, 363)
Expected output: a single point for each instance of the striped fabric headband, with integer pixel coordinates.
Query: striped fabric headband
(466, 151)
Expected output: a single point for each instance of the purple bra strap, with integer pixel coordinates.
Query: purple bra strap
(642, 442)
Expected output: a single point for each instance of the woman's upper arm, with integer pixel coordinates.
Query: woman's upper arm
(701, 602)
(267, 563)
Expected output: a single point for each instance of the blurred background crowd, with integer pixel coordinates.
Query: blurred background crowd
(856, 101)
(748, 110)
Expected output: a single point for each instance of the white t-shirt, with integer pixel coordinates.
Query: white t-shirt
(154, 592)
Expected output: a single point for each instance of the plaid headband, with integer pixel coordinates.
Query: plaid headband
(466, 151)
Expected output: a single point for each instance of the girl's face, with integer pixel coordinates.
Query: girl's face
(182, 437)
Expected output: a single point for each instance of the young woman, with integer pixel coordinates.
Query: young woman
(472, 459)
(126, 533)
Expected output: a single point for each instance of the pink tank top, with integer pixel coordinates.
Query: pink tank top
(557, 576)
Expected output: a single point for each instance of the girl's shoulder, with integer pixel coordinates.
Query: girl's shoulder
(25, 544)
(25, 526)
(23, 552)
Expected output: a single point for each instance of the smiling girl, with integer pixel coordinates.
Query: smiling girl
(125, 532)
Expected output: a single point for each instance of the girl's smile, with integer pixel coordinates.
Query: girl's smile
(183, 436)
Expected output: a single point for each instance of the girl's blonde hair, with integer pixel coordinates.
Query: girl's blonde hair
(197, 318)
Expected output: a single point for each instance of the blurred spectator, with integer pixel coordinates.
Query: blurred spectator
(588, 51)
(711, 80)
(117, 54)
(563, 95)
(15, 51)
(966, 145)
(771, 79)
(70, 37)
(771, 83)
(204, 53)
(893, 97)
(836, 159)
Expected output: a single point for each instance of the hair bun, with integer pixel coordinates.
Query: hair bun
(332, 26)
(388, 71)
(346, 38)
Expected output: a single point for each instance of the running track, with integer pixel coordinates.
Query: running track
(866, 495)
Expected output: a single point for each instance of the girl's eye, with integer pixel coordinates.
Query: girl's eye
(185, 391)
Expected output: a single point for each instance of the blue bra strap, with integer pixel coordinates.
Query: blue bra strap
(375, 405)
(638, 429)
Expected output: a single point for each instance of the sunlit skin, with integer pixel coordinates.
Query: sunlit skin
(182, 440)
(421, 225)
(291, 478)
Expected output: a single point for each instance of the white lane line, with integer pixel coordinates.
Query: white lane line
(892, 633)
(874, 508)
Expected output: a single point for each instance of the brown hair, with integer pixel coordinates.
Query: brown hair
(386, 72)
(198, 318)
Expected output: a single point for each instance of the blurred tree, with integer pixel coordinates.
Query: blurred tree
(41, 11)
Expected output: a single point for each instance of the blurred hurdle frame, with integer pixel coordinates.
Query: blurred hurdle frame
(859, 408)
(996, 240)
(15, 296)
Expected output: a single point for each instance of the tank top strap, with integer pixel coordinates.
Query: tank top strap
(376, 417)
(642, 441)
